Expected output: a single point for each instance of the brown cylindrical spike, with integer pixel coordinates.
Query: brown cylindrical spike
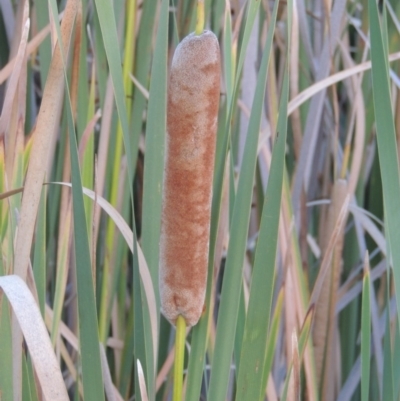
(192, 110)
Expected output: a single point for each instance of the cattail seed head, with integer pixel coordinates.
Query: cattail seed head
(192, 110)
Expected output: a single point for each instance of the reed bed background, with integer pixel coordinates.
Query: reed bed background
(304, 255)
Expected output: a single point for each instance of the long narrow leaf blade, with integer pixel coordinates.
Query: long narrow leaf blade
(237, 246)
(88, 325)
(155, 137)
(258, 314)
(386, 138)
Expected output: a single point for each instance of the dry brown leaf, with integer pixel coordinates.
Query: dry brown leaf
(325, 322)
(46, 127)
(33, 44)
(142, 382)
(295, 379)
(89, 130)
(13, 84)
(142, 89)
(36, 337)
(329, 249)
(65, 331)
(8, 130)
(166, 367)
(332, 79)
(15, 191)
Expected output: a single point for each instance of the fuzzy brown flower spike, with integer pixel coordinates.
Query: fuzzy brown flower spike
(192, 110)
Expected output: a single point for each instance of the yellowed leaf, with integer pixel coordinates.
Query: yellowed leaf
(333, 79)
(36, 337)
(142, 382)
(46, 128)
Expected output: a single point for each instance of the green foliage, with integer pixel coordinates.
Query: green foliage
(289, 313)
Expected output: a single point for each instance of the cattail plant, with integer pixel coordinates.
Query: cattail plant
(192, 108)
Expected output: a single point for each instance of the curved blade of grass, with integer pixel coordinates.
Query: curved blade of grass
(386, 138)
(312, 90)
(365, 332)
(129, 238)
(237, 246)
(36, 337)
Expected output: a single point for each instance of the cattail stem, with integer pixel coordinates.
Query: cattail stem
(200, 17)
(179, 357)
